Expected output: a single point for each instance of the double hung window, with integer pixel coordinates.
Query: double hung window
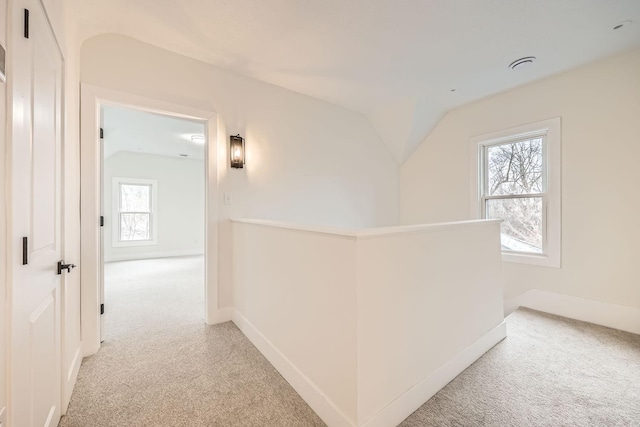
(517, 179)
(135, 219)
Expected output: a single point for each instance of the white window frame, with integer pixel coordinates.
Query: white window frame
(115, 209)
(551, 196)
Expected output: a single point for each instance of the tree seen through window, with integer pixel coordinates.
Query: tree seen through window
(513, 191)
(135, 212)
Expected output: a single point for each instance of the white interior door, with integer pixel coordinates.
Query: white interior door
(36, 94)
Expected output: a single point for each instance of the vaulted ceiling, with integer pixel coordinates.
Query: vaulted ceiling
(402, 63)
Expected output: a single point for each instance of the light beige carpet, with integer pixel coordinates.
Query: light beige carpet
(549, 371)
(161, 366)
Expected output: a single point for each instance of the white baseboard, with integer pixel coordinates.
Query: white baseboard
(615, 316)
(3, 416)
(511, 305)
(394, 413)
(318, 401)
(152, 255)
(72, 377)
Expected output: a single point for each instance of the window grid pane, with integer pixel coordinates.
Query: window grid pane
(135, 212)
(513, 188)
(522, 226)
(514, 168)
(135, 226)
(135, 198)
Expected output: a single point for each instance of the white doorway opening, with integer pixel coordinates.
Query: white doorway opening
(152, 222)
(92, 100)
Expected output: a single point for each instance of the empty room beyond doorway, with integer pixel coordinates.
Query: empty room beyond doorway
(153, 239)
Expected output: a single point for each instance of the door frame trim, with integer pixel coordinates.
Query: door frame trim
(92, 97)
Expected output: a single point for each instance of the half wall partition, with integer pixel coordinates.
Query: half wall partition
(367, 325)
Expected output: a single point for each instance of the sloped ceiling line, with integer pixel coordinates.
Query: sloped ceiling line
(398, 63)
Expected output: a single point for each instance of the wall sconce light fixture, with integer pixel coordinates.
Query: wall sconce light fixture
(236, 151)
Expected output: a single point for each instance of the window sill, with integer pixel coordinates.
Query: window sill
(119, 244)
(540, 260)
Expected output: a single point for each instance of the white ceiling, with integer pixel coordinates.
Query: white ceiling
(395, 61)
(142, 132)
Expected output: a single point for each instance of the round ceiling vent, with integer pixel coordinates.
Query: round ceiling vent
(522, 62)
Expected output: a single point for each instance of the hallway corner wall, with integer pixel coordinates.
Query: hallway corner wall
(307, 161)
(4, 338)
(599, 105)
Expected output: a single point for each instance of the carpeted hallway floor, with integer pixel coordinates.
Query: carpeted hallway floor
(160, 365)
(549, 371)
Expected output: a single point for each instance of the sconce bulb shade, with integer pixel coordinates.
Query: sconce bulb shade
(236, 151)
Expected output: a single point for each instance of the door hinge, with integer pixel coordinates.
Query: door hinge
(101, 308)
(101, 221)
(101, 133)
(26, 23)
(25, 261)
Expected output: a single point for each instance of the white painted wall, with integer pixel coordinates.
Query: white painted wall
(3, 227)
(308, 161)
(180, 192)
(599, 105)
(367, 325)
(298, 289)
(418, 309)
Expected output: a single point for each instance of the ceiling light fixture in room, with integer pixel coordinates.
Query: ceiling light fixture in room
(622, 24)
(198, 139)
(522, 62)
